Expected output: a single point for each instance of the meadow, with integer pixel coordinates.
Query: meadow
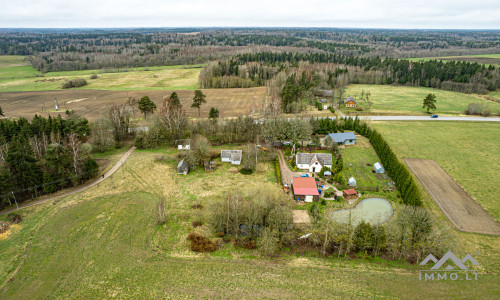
(16, 74)
(404, 100)
(105, 243)
(487, 59)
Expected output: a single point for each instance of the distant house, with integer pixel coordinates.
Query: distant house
(352, 181)
(378, 168)
(313, 162)
(305, 189)
(350, 193)
(350, 102)
(183, 144)
(327, 174)
(323, 100)
(183, 167)
(342, 138)
(232, 156)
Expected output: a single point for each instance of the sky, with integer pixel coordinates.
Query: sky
(416, 14)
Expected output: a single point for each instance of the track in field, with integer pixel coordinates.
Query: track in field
(458, 206)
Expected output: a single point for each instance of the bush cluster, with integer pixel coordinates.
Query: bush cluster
(200, 243)
(77, 82)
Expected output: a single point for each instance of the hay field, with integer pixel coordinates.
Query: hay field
(466, 214)
(404, 100)
(96, 103)
(105, 243)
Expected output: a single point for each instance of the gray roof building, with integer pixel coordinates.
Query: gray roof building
(341, 137)
(349, 99)
(307, 158)
(233, 156)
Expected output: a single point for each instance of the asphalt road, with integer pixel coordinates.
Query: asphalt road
(426, 118)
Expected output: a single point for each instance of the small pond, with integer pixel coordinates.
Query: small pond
(373, 210)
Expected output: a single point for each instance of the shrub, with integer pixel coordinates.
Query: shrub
(77, 82)
(246, 243)
(161, 212)
(93, 76)
(200, 243)
(246, 171)
(197, 223)
(14, 218)
(220, 234)
(323, 201)
(269, 243)
(197, 206)
(359, 108)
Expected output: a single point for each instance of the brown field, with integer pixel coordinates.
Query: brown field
(458, 206)
(95, 103)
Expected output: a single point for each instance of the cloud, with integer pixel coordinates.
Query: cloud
(290, 13)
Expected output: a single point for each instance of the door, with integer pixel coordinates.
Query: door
(309, 199)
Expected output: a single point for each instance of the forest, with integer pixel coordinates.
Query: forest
(79, 49)
(42, 156)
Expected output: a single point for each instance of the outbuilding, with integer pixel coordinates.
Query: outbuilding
(378, 168)
(350, 193)
(352, 181)
(342, 138)
(183, 144)
(183, 167)
(232, 156)
(305, 189)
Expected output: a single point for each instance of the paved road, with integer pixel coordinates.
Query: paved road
(427, 118)
(79, 189)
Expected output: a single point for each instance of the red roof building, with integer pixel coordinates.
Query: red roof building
(350, 193)
(305, 189)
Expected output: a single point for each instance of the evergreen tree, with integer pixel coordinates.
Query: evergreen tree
(213, 114)
(430, 102)
(1, 112)
(198, 100)
(363, 237)
(26, 174)
(174, 99)
(146, 106)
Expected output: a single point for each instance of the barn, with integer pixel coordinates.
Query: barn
(305, 189)
(342, 138)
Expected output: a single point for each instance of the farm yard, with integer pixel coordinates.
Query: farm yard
(466, 214)
(94, 104)
(130, 259)
(403, 100)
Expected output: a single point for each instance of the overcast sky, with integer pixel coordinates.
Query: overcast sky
(438, 14)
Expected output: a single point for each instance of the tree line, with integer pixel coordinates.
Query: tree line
(42, 156)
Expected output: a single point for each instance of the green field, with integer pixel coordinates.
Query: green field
(403, 100)
(105, 243)
(487, 59)
(468, 151)
(356, 159)
(17, 75)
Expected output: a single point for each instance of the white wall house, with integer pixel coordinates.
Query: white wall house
(232, 156)
(313, 162)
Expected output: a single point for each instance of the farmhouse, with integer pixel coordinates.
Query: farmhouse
(313, 161)
(305, 189)
(182, 167)
(350, 102)
(342, 138)
(378, 168)
(232, 156)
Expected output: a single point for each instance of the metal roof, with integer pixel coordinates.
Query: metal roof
(377, 166)
(350, 99)
(234, 155)
(307, 158)
(305, 186)
(342, 136)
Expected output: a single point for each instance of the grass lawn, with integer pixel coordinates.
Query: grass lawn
(356, 159)
(468, 151)
(105, 243)
(405, 100)
(16, 74)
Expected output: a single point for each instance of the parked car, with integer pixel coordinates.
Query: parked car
(434, 116)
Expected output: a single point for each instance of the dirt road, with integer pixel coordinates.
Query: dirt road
(458, 206)
(78, 189)
(286, 173)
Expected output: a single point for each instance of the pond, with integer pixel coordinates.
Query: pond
(373, 210)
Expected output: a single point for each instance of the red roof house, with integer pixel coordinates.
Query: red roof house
(305, 189)
(350, 193)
